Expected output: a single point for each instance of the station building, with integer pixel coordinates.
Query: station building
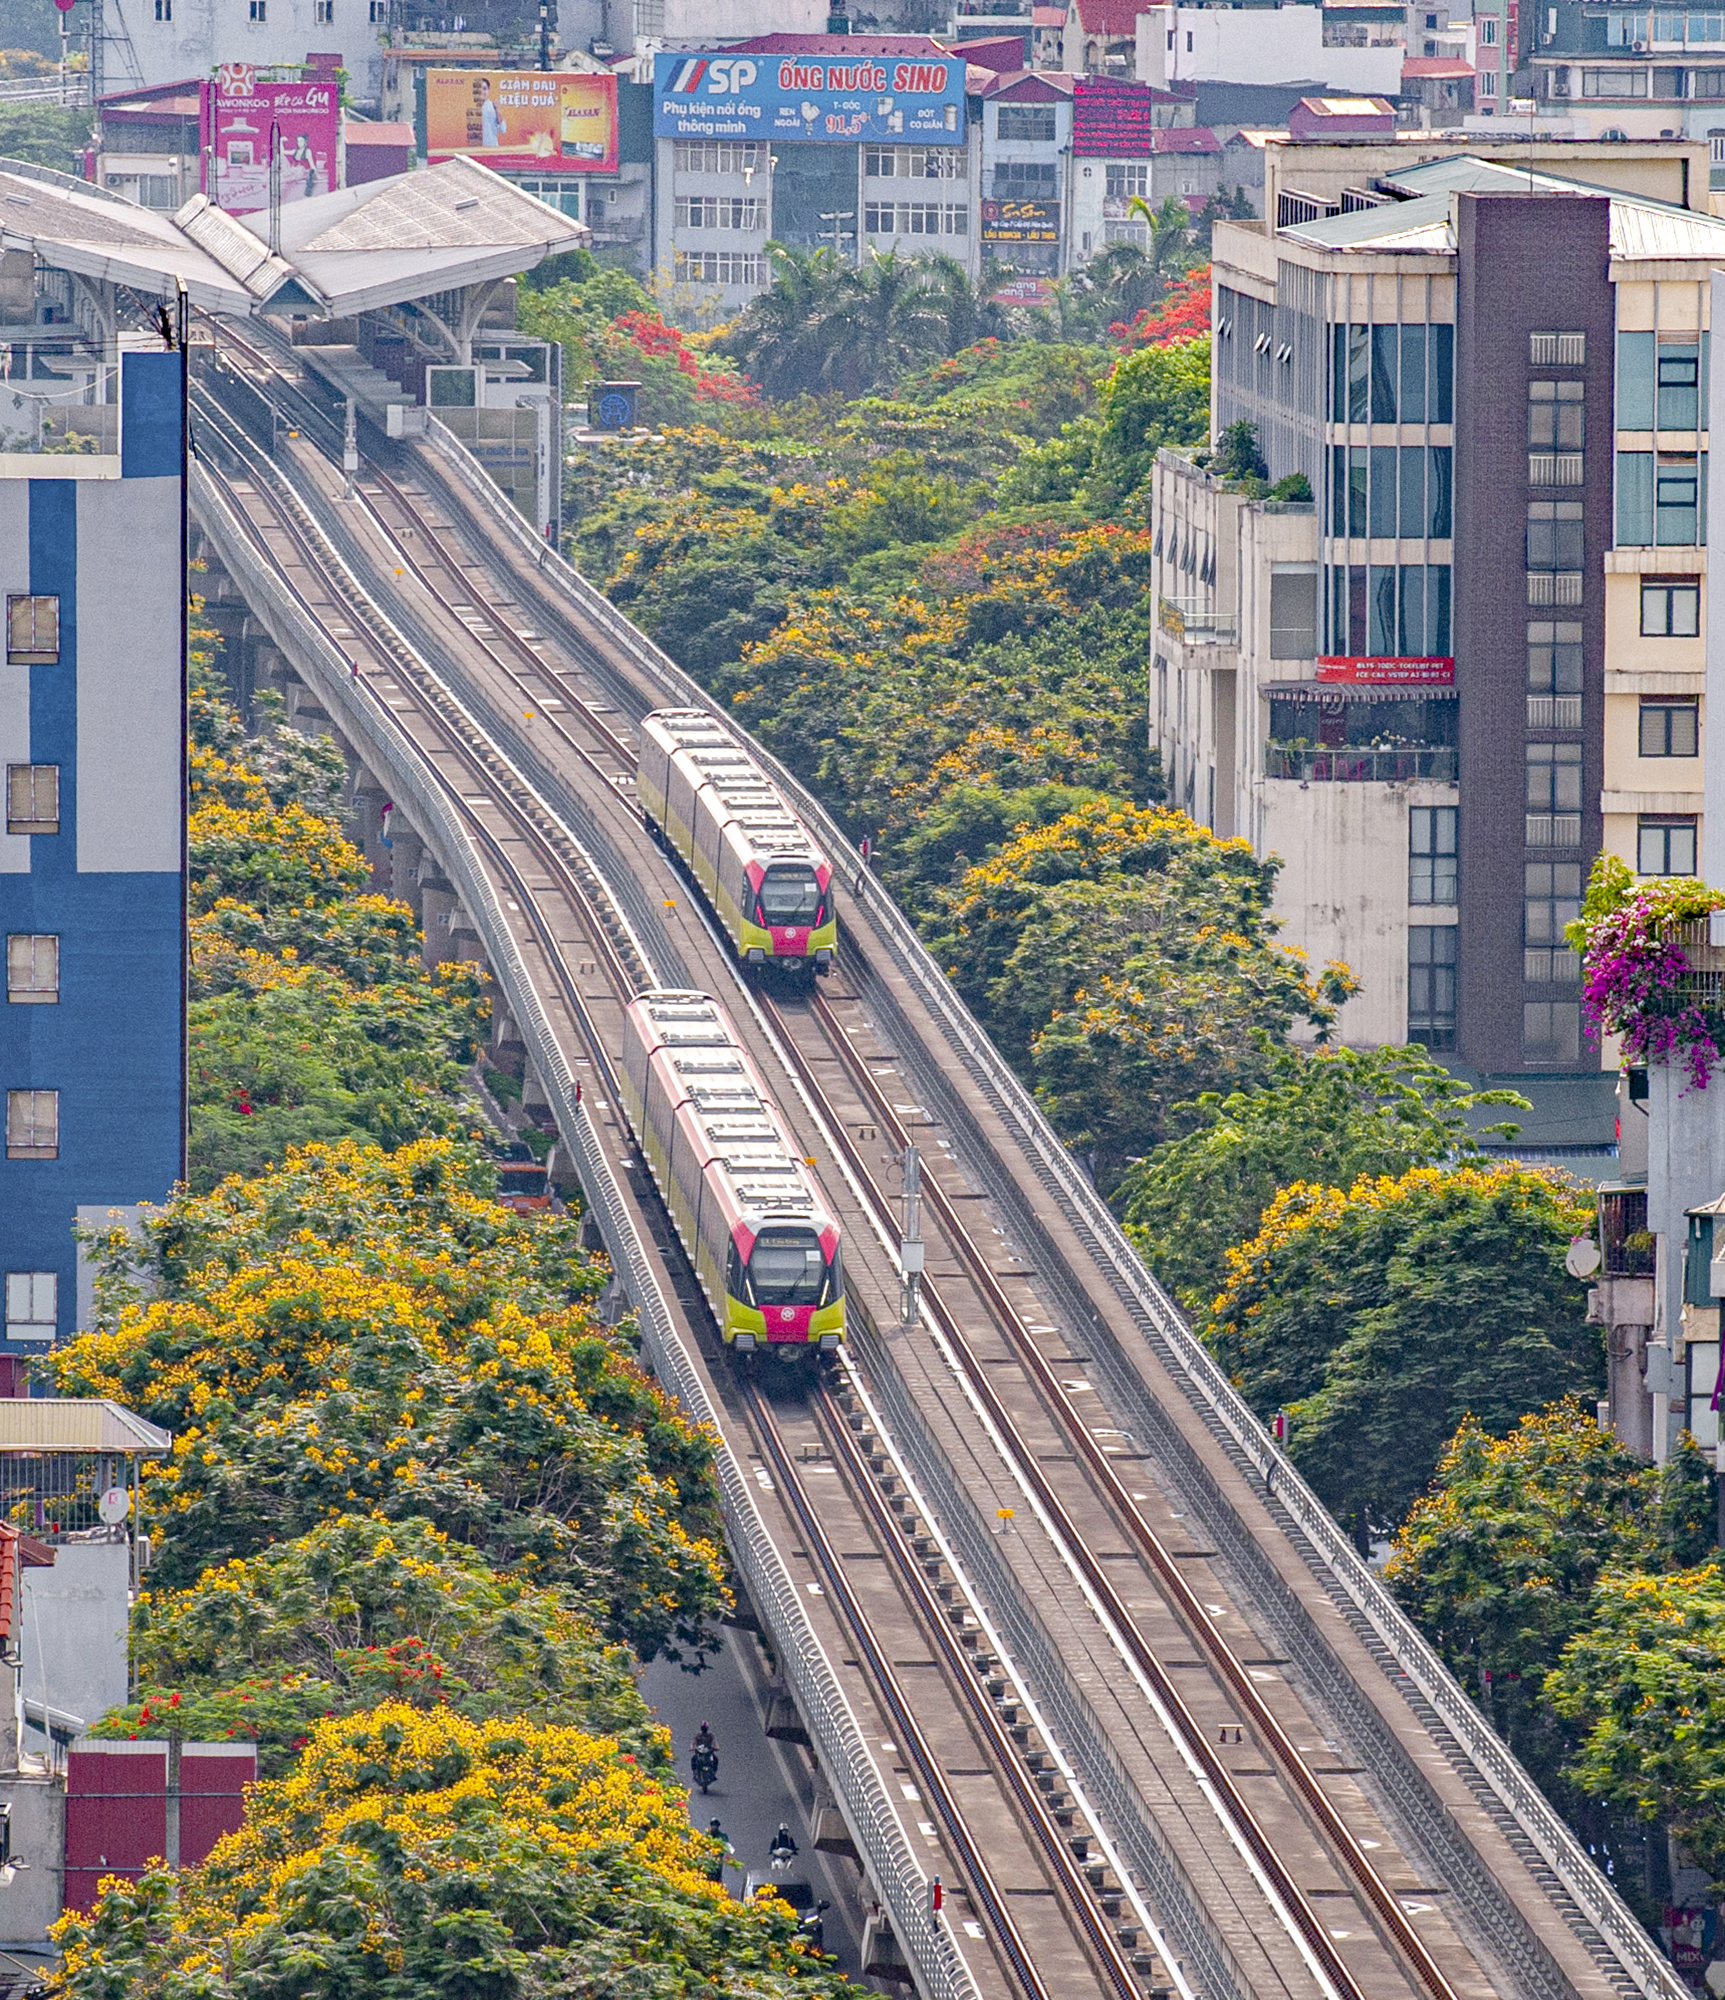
(1472, 660)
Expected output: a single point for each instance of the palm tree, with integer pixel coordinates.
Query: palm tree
(778, 338)
(1170, 235)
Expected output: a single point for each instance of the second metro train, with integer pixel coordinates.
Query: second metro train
(755, 861)
(758, 1230)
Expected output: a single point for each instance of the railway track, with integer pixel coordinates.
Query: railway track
(1287, 1845)
(387, 662)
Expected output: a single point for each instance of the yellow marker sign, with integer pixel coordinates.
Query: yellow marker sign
(1005, 1513)
(669, 904)
(527, 714)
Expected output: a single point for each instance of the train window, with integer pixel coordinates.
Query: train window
(790, 896)
(787, 1267)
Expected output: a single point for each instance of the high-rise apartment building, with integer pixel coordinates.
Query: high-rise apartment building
(1472, 659)
(92, 738)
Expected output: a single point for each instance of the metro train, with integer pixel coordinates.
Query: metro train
(754, 860)
(758, 1230)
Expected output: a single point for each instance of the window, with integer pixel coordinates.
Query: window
(1392, 374)
(1554, 535)
(1554, 777)
(323, 13)
(164, 10)
(719, 267)
(719, 211)
(1676, 502)
(1127, 178)
(259, 10)
(1551, 1031)
(32, 1124)
(32, 968)
(32, 1305)
(1551, 900)
(1026, 178)
(1553, 659)
(1665, 846)
(1559, 350)
(1670, 729)
(1487, 81)
(1556, 419)
(1623, 82)
(1025, 121)
(1671, 609)
(32, 631)
(379, 13)
(717, 156)
(914, 218)
(1679, 385)
(1431, 854)
(1488, 32)
(914, 163)
(32, 798)
(1293, 614)
(1708, 82)
(1431, 985)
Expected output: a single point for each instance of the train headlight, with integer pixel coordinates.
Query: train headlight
(831, 1343)
(744, 1343)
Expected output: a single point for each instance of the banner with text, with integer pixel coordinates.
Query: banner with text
(881, 99)
(538, 121)
(241, 119)
(1021, 222)
(1353, 670)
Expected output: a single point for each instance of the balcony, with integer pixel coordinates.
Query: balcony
(1554, 468)
(1554, 711)
(1196, 622)
(1554, 586)
(1317, 765)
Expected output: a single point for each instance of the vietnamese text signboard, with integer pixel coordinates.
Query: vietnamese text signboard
(537, 121)
(881, 99)
(1021, 222)
(243, 120)
(1354, 670)
(1112, 119)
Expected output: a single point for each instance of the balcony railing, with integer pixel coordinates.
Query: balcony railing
(1554, 711)
(1554, 829)
(1551, 968)
(1195, 622)
(1554, 468)
(1359, 766)
(1554, 586)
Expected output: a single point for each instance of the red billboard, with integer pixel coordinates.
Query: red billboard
(1112, 119)
(244, 122)
(1356, 670)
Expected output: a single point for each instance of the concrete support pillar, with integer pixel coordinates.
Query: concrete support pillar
(407, 853)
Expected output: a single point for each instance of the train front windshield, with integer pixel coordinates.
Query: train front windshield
(788, 1267)
(790, 898)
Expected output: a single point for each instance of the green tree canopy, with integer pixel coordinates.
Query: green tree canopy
(1644, 1683)
(1326, 1118)
(1383, 1315)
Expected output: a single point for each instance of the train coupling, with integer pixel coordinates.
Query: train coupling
(823, 963)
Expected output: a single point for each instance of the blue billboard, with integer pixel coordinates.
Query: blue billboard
(884, 100)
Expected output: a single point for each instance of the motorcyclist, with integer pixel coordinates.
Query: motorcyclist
(716, 1867)
(704, 1763)
(783, 1850)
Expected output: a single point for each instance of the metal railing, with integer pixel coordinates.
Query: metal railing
(838, 1739)
(46, 90)
(1554, 711)
(1195, 621)
(1346, 765)
(1413, 1667)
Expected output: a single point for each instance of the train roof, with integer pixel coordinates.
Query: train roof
(753, 803)
(719, 1093)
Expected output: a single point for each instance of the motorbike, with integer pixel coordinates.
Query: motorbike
(704, 1765)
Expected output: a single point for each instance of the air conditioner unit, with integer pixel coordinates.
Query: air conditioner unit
(1639, 48)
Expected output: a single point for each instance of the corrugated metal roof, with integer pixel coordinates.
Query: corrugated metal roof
(1398, 225)
(49, 1423)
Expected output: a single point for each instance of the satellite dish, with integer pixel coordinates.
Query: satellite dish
(1583, 1258)
(114, 1505)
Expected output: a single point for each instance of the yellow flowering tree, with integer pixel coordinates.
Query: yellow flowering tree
(311, 1364)
(1383, 1314)
(416, 1852)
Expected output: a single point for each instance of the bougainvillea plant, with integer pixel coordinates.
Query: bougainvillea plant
(1638, 983)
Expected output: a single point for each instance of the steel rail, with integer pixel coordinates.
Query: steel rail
(966, 1848)
(1180, 1593)
(1295, 1910)
(468, 743)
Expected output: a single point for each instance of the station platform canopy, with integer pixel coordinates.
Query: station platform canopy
(449, 228)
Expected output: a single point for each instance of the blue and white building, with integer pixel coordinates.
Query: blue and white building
(92, 873)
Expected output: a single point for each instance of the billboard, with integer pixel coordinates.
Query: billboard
(1353, 670)
(882, 100)
(1021, 222)
(545, 121)
(240, 119)
(1112, 119)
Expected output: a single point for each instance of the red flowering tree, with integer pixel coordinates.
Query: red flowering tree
(1183, 315)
